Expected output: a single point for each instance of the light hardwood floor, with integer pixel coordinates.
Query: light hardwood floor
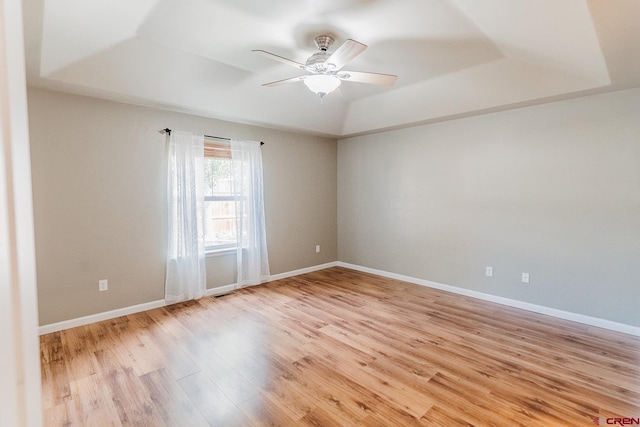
(338, 348)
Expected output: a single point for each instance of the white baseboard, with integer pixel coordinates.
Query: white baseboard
(580, 318)
(567, 315)
(106, 315)
(85, 320)
(220, 290)
(302, 271)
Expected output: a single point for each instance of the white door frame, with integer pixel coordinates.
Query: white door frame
(20, 385)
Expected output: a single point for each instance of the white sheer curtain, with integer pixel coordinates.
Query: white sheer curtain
(186, 274)
(247, 188)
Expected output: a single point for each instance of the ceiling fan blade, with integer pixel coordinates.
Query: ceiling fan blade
(280, 59)
(371, 78)
(281, 82)
(345, 53)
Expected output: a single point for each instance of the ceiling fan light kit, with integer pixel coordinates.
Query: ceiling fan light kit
(324, 68)
(322, 84)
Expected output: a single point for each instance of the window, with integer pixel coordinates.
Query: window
(220, 215)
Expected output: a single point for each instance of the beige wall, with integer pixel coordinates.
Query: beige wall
(99, 193)
(552, 190)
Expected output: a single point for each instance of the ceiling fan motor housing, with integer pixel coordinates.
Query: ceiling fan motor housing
(324, 42)
(317, 61)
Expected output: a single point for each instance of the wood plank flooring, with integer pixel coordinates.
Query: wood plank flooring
(338, 348)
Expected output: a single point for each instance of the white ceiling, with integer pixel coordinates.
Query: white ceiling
(453, 57)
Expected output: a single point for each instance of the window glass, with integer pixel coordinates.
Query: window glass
(220, 216)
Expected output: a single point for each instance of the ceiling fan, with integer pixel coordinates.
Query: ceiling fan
(325, 69)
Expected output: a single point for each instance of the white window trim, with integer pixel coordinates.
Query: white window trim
(214, 251)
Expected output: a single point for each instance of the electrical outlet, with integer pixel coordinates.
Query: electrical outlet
(525, 277)
(488, 271)
(317, 248)
(103, 285)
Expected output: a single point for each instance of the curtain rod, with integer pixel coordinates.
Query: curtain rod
(167, 130)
